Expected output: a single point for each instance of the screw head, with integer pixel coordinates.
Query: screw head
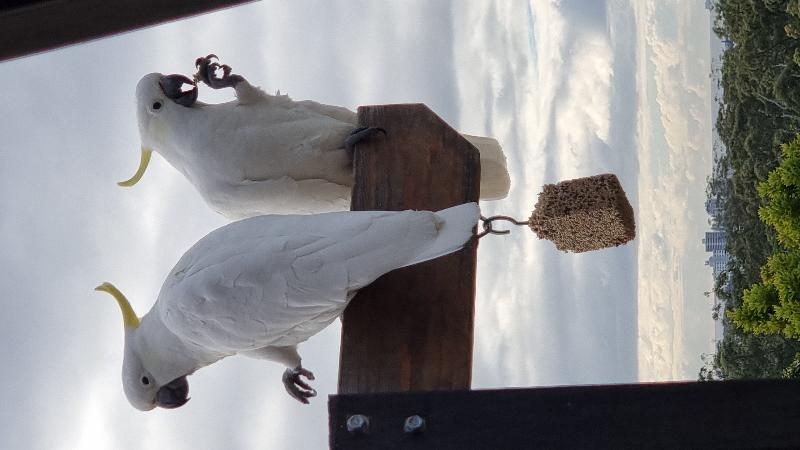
(358, 424)
(414, 424)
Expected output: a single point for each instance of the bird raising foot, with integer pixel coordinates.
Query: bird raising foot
(207, 73)
(296, 387)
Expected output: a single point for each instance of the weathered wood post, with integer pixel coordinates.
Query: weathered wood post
(412, 329)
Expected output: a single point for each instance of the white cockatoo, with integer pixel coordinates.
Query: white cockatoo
(262, 153)
(260, 286)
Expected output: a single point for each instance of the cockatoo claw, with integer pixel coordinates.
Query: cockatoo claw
(297, 388)
(200, 60)
(207, 73)
(360, 134)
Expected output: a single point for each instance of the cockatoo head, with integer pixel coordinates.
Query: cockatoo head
(159, 98)
(143, 379)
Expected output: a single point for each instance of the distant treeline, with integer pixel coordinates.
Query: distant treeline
(759, 111)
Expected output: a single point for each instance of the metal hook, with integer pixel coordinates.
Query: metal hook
(488, 227)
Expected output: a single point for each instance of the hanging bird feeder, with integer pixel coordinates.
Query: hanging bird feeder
(578, 215)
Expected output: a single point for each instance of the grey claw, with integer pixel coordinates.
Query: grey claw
(207, 73)
(361, 134)
(200, 60)
(297, 388)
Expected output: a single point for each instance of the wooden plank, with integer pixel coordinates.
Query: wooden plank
(413, 328)
(28, 27)
(722, 415)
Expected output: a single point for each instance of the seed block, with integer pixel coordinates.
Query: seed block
(584, 214)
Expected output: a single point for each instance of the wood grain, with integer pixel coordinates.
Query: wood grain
(413, 328)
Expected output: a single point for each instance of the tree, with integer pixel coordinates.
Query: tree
(782, 192)
(744, 355)
(715, 311)
(711, 371)
(773, 305)
(793, 369)
(720, 287)
(757, 314)
(759, 111)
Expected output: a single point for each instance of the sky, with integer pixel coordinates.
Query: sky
(570, 88)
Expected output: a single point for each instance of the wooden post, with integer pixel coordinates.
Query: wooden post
(412, 329)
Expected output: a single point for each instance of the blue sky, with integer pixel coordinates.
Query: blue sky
(569, 88)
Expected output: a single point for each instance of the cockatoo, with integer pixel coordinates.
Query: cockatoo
(263, 153)
(260, 286)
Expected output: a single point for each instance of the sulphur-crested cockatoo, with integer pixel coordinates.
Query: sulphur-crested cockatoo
(261, 153)
(260, 286)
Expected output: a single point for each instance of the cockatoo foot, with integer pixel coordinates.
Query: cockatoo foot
(296, 387)
(360, 134)
(207, 73)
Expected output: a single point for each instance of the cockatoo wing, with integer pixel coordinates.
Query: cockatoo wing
(277, 280)
(277, 153)
(287, 196)
(247, 94)
(335, 112)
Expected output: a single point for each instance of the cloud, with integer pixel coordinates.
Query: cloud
(544, 87)
(674, 134)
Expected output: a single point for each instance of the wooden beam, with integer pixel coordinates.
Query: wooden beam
(29, 27)
(722, 415)
(412, 329)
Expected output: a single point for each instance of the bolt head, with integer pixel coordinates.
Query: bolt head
(358, 424)
(414, 424)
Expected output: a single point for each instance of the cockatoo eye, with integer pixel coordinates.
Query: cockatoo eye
(145, 381)
(156, 105)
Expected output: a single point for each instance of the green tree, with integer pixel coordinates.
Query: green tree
(759, 111)
(745, 355)
(782, 192)
(720, 290)
(793, 369)
(773, 306)
(757, 313)
(711, 370)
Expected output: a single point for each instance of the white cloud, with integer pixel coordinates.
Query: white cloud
(543, 87)
(675, 134)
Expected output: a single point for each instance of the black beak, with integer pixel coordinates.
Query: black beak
(173, 394)
(172, 85)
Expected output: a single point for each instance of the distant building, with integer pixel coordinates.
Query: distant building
(711, 207)
(727, 44)
(718, 262)
(715, 241)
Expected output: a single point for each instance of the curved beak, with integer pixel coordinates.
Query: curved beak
(172, 86)
(146, 153)
(173, 394)
(129, 317)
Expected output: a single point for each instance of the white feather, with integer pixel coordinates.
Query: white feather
(277, 280)
(266, 153)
